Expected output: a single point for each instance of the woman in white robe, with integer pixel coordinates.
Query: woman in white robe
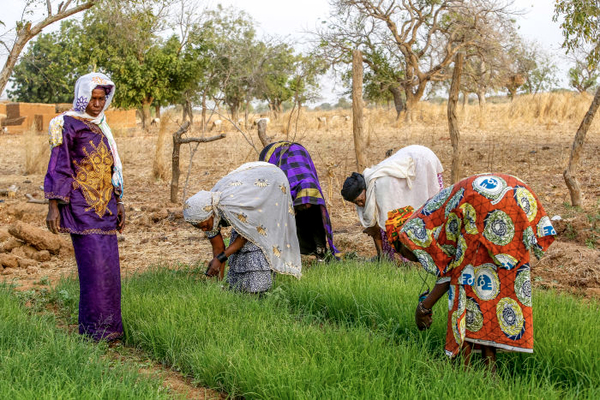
(407, 178)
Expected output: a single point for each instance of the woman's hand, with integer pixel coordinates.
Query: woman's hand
(214, 266)
(120, 217)
(53, 217)
(423, 314)
(423, 317)
(373, 231)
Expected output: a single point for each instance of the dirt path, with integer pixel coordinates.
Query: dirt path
(174, 381)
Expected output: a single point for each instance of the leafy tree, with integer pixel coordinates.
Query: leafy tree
(304, 83)
(584, 75)
(192, 80)
(520, 61)
(543, 77)
(276, 73)
(343, 103)
(26, 30)
(236, 56)
(488, 64)
(122, 39)
(48, 70)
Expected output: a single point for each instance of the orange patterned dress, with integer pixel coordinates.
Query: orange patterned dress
(477, 235)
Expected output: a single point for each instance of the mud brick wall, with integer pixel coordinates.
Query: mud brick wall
(36, 114)
(120, 119)
(39, 116)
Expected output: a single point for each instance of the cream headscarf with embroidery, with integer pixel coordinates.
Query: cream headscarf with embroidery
(83, 93)
(255, 199)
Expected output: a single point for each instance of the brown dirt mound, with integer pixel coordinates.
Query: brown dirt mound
(582, 228)
(570, 267)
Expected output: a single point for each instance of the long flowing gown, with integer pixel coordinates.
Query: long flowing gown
(477, 234)
(79, 177)
(313, 225)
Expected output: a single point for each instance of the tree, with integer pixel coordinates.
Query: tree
(383, 63)
(583, 76)
(452, 118)
(423, 33)
(543, 77)
(41, 76)
(486, 64)
(304, 83)
(519, 64)
(357, 111)
(237, 57)
(123, 39)
(581, 27)
(276, 73)
(26, 30)
(192, 78)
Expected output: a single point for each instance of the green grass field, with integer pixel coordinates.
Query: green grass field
(38, 361)
(345, 330)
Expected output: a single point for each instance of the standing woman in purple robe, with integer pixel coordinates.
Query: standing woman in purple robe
(84, 186)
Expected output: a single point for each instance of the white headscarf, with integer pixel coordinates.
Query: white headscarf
(255, 199)
(83, 94)
(407, 178)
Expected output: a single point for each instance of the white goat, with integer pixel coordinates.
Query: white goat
(216, 124)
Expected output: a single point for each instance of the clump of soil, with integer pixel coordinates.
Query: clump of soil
(582, 228)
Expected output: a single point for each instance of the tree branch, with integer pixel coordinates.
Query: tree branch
(202, 139)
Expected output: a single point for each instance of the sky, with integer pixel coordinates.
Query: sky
(291, 19)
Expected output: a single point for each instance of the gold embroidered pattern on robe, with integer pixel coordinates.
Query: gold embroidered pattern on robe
(93, 175)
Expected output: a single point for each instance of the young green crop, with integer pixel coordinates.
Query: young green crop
(38, 361)
(346, 330)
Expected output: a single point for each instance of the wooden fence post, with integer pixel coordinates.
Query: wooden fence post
(357, 111)
(177, 142)
(453, 120)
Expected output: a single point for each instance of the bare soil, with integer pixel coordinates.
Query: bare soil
(156, 234)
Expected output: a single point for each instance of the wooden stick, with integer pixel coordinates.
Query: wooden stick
(33, 200)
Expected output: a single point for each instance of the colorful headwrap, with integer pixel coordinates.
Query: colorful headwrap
(353, 186)
(397, 218)
(83, 94)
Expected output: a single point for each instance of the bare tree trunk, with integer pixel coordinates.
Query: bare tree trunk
(27, 32)
(464, 99)
(482, 106)
(175, 171)
(411, 103)
(145, 113)
(357, 111)
(203, 111)
(157, 111)
(453, 120)
(177, 142)
(398, 101)
(568, 174)
(262, 132)
(481, 99)
(188, 112)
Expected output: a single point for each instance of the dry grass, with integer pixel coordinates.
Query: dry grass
(161, 168)
(37, 152)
